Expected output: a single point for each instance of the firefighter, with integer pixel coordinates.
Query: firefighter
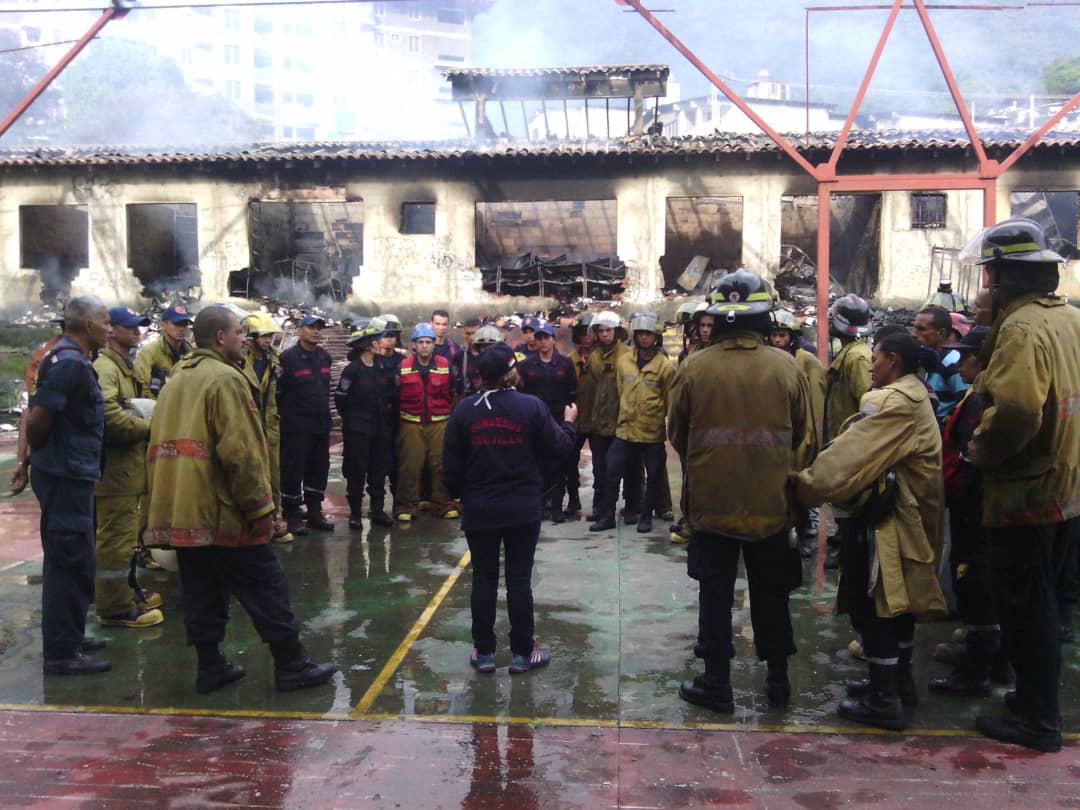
(848, 378)
(582, 338)
(262, 366)
(425, 405)
(738, 411)
(609, 346)
(303, 398)
(643, 378)
(210, 499)
(156, 359)
(786, 335)
(551, 377)
(1028, 449)
(529, 326)
(367, 414)
(388, 357)
(884, 470)
(466, 375)
(119, 494)
(444, 346)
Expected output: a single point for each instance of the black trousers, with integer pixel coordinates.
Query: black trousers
(598, 446)
(519, 545)
(1025, 563)
(882, 638)
(67, 540)
(773, 571)
(366, 460)
(209, 575)
(624, 462)
(573, 474)
(305, 467)
(969, 559)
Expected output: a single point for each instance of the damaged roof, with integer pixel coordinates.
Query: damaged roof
(458, 151)
(471, 73)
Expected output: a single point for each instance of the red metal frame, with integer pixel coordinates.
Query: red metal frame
(108, 16)
(984, 178)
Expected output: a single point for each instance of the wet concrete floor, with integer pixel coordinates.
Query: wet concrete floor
(408, 723)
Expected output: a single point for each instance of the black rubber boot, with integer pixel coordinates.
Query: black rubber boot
(909, 696)
(294, 524)
(777, 685)
(712, 690)
(603, 523)
(222, 673)
(644, 524)
(880, 707)
(573, 505)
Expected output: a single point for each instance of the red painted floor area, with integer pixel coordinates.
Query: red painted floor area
(58, 759)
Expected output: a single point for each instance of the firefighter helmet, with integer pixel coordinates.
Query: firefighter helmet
(850, 317)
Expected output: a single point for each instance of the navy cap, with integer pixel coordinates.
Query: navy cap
(972, 341)
(530, 322)
(312, 320)
(495, 361)
(545, 329)
(177, 313)
(127, 317)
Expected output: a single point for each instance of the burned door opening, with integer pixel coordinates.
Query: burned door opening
(854, 246)
(55, 241)
(163, 250)
(563, 249)
(1057, 212)
(302, 252)
(702, 236)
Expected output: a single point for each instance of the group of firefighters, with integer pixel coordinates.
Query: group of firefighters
(764, 434)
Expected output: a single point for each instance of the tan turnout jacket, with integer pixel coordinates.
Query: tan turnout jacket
(124, 471)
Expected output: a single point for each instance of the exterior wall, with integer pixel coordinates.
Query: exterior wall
(408, 270)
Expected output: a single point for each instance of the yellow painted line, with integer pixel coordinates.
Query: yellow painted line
(253, 714)
(390, 667)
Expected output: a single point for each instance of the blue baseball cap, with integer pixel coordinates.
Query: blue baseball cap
(530, 322)
(127, 317)
(545, 329)
(177, 313)
(312, 320)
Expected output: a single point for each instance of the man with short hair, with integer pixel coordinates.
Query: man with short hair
(463, 364)
(156, 359)
(529, 325)
(931, 329)
(609, 347)
(64, 431)
(303, 398)
(1028, 448)
(210, 499)
(445, 346)
(119, 494)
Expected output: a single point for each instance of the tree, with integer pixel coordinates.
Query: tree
(21, 71)
(1062, 76)
(123, 92)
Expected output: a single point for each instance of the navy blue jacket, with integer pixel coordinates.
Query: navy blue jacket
(554, 382)
(67, 385)
(303, 392)
(497, 447)
(363, 401)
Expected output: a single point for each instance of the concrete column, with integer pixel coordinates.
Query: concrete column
(761, 227)
(640, 235)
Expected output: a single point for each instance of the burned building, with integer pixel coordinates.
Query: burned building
(499, 225)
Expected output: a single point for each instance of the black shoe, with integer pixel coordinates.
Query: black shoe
(778, 688)
(301, 674)
(644, 526)
(1010, 701)
(832, 560)
(717, 698)
(380, 518)
(91, 644)
(294, 524)
(573, 507)
(221, 674)
(557, 515)
(1001, 672)
(1018, 731)
(318, 522)
(630, 518)
(603, 524)
(962, 684)
(870, 711)
(81, 664)
(356, 522)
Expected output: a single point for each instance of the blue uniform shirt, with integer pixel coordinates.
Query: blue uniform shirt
(67, 385)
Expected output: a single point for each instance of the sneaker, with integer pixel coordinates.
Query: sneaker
(523, 663)
(133, 618)
(147, 599)
(484, 662)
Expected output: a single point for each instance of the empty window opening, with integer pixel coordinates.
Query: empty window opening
(1056, 211)
(928, 210)
(163, 249)
(55, 241)
(854, 245)
(563, 249)
(301, 252)
(702, 237)
(418, 217)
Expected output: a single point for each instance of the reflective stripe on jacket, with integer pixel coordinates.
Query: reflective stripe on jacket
(643, 397)
(425, 397)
